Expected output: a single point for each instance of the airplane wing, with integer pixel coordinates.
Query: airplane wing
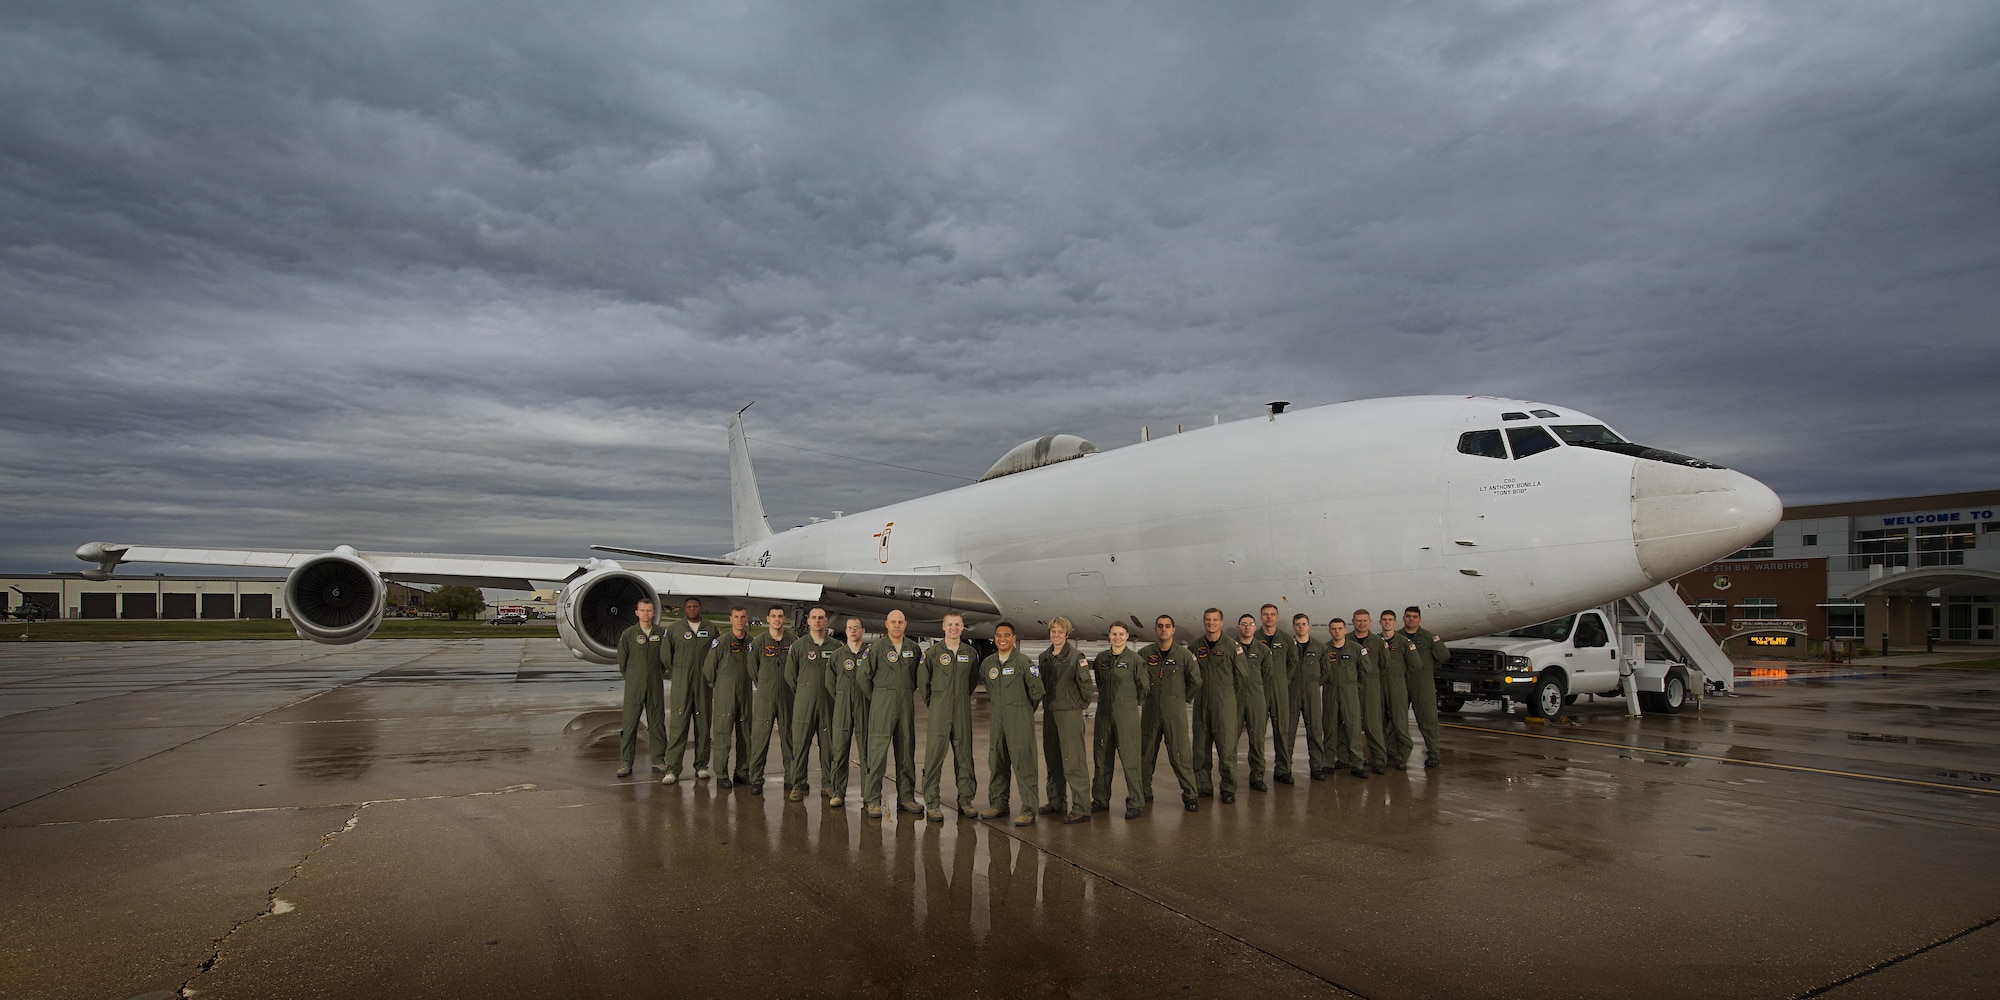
(508, 572)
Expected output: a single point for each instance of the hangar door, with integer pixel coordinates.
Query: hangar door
(177, 605)
(141, 606)
(259, 606)
(218, 605)
(97, 606)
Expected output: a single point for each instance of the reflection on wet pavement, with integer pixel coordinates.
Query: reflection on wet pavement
(383, 818)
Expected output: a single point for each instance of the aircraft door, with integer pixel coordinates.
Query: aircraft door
(1477, 474)
(1090, 604)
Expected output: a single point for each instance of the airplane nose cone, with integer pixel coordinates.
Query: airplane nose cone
(1685, 518)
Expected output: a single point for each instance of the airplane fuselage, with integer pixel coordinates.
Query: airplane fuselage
(1321, 511)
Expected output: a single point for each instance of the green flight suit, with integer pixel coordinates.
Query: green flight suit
(1374, 653)
(891, 686)
(727, 670)
(1264, 709)
(1218, 716)
(944, 681)
(1068, 690)
(1425, 654)
(844, 678)
(644, 668)
(812, 706)
(691, 713)
(1175, 684)
(1346, 740)
(771, 706)
(1396, 696)
(1122, 686)
(1014, 685)
(1309, 659)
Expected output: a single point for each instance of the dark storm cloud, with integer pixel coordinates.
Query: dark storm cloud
(481, 277)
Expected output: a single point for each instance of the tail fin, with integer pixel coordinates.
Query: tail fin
(746, 508)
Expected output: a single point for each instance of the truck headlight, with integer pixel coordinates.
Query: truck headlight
(1520, 664)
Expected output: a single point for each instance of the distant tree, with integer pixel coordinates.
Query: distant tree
(455, 601)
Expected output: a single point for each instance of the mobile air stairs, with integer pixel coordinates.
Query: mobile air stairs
(1664, 620)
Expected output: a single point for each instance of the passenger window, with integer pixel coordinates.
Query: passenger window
(1529, 441)
(1590, 632)
(1485, 444)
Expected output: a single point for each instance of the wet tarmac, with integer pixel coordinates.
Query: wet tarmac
(439, 817)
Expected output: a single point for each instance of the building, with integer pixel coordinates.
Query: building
(1904, 566)
(69, 595)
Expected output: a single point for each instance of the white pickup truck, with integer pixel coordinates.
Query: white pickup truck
(1547, 666)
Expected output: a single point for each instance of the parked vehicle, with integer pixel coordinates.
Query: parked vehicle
(1548, 665)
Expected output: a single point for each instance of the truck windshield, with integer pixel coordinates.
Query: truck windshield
(1554, 631)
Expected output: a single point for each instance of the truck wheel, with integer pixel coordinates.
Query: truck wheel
(1673, 697)
(1450, 703)
(1546, 701)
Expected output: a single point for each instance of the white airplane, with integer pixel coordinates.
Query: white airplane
(1488, 513)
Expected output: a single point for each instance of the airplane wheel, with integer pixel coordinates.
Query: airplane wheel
(1674, 697)
(1450, 703)
(1547, 699)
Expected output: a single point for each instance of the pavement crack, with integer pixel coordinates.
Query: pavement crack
(273, 905)
(1893, 960)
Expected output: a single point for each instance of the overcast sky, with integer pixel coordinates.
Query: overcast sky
(489, 276)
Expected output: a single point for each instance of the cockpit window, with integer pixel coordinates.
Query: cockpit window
(1546, 414)
(1513, 415)
(1529, 441)
(1485, 444)
(1587, 434)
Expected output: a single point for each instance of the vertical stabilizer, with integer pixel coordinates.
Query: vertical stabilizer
(746, 507)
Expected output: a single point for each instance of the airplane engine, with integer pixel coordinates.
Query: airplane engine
(336, 598)
(597, 607)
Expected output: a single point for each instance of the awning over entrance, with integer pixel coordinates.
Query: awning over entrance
(1917, 582)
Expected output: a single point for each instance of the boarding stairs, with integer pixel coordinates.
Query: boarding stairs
(1669, 626)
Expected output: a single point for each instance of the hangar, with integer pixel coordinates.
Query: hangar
(69, 595)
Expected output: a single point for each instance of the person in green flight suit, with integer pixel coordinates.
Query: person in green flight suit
(1175, 685)
(727, 670)
(1123, 684)
(1396, 693)
(771, 705)
(812, 702)
(1425, 654)
(688, 638)
(1256, 706)
(1281, 679)
(644, 669)
(844, 673)
(1373, 653)
(1217, 719)
(891, 685)
(944, 682)
(1014, 685)
(1309, 656)
(1345, 734)
(1067, 688)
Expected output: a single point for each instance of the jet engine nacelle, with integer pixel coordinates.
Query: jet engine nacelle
(336, 598)
(597, 607)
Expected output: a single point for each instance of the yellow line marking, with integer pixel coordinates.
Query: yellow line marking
(1728, 760)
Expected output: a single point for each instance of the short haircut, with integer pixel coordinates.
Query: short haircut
(1360, 612)
(739, 607)
(1009, 626)
(856, 619)
(1061, 623)
(1217, 612)
(642, 600)
(821, 608)
(779, 608)
(949, 615)
(1302, 617)
(696, 601)
(1273, 607)
(1246, 614)
(1336, 621)
(1169, 619)
(1386, 613)
(1413, 609)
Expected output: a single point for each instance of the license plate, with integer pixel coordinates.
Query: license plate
(1461, 687)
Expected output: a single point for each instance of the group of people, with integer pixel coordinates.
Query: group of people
(1352, 692)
